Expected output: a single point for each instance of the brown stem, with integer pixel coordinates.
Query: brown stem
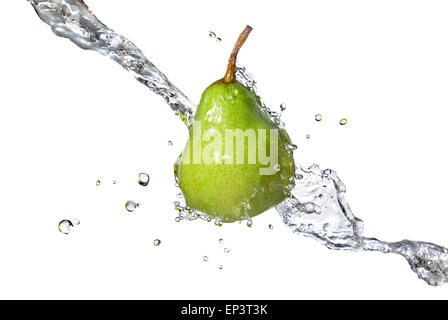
(230, 73)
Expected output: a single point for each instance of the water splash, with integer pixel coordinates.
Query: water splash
(317, 207)
(73, 20)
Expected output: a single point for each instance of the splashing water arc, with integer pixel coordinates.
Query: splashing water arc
(317, 207)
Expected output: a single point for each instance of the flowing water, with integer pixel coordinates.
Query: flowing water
(317, 207)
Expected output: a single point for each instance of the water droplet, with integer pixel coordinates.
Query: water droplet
(98, 182)
(205, 258)
(170, 143)
(283, 107)
(218, 39)
(250, 223)
(178, 219)
(65, 226)
(318, 117)
(76, 222)
(114, 182)
(143, 179)
(220, 267)
(218, 222)
(226, 250)
(131, 205)
(277, 168)
(271, 227)
(221, 241)
(211, 34)
(308, 136)
(157, 242)
(343, 122)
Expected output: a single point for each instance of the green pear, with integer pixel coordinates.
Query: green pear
(237, 162)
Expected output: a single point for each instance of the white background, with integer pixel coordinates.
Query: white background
(69, 117)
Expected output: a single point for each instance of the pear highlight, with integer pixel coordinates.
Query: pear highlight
(237, 162)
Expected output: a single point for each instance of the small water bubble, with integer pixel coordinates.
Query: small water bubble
(309, 207)
(251, 83)
(310, 226)
(170, 143)
(98, 183)
(76, 222)
(318, 117)
(218, 39)
(292, 147)
(271, 227)
(212, 35)
(221, 241)
(277, 168)
(218, 222)
(283, 107)
(343, 122)
(131, 205)
(157, 242)
(143, 179)
(308, 136)
(220, 267)
(114, 182)
(325, 226)
(226, 250)
(250, 223)
(178, 219)
(65, 226)
(205, 258)
(94, 37)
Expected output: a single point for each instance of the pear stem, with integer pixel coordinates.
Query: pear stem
(231, 67)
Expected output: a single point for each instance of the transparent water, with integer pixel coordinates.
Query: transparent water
(317, 208)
